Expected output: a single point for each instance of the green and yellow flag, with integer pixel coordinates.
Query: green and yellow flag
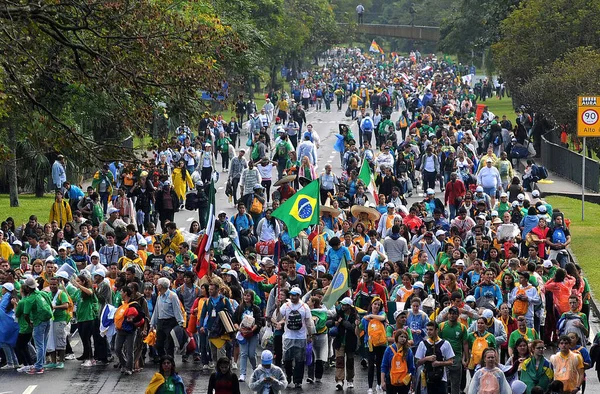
(301, 210)
(339, 285)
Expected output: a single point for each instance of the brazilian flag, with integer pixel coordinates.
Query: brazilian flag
(301, 210)
(338, 287)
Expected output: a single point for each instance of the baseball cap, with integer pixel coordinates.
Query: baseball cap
(488, 314)
(142, 242)
(266, 357)
(296, 291)
(470, 298)
(515, 203)
(460, 262)
(391, 205)
(232, 273)
(398, 313)
(494, 213)
(112, 210)
(520, 197)
(257, 186)
(430, 191)
(131, 248)
(440, 232)
(347, 301)
(9, 286)
(535, 193)
(167, 183)
(320, 268)
(542, 209)
(547, 264)
(222, 213)
(489, 160)
(62, 274)
(503, 194)
(49, 258)
(62, 247)
(17, 242)
(100, 273)
(419, 285)
(226, 266)
(479, 189)
(366, 259)
(518, 387)
(482, 217)
(453, 309)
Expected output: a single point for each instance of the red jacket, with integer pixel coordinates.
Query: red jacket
(453, 191)
(363, 292)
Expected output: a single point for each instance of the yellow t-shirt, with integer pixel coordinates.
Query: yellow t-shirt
(566, 369)
(283, 105)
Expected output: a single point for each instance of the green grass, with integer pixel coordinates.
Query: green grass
(500, 107)
(29, 205)
(584, 234)
(141, 142)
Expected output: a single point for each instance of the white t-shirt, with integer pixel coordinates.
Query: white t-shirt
(304, 311)
(446, 349)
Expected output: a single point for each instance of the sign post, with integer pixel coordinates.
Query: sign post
(588, 125)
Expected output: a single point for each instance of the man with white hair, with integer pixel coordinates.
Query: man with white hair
(166, 316)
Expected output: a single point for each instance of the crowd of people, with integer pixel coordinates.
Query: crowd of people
(461, 291)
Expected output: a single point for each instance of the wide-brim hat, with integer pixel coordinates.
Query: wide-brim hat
(285, 179)
(304, 181)
(372, 212)
(327, 208)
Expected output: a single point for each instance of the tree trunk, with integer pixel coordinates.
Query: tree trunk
(257, 88)
(274, 76)
(40, 181)
(12, 170)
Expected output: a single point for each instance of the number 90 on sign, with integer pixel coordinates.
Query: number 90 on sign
(589, 117)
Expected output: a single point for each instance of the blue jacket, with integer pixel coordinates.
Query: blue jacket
(528, 223)
(9, 328)
(74, 193)
(386, 363)
(493, 288)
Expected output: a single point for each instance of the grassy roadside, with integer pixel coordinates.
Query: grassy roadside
(500, 107)
(584, 235)
(29, 205)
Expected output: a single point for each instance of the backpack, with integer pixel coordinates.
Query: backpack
(377, 335)
(542, 172)
(488, 383)
(558, 235)
(70, 305)
(399, 375)
(384, 99)
(255, 155)
(120, 315)
(520, 307)
(294, 320)
(434, 375)
(44, 308)
(479, 345)
(367, 124)
(257, 206)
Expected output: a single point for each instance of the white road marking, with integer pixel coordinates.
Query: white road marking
(332, 156)
(6, 392)
(328, 161)
(30, 389)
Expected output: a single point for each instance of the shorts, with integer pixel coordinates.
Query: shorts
(490, 191)
(60, 334)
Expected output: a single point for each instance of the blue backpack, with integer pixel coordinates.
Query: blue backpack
(368, 124)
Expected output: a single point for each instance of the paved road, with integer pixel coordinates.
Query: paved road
(75, 379)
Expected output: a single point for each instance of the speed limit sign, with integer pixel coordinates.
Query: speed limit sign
(588, 118)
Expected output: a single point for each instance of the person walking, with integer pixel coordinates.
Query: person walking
(166, 380)
(345, 342)
(37, 311)
(248, 332)
(166, 316)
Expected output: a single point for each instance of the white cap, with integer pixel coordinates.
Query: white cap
(143, 242)
(62, 274)
(296, 290)
(503, 194)
(440, 232)
(535, 193)
(226, 266)
(430, 191)
(232, 273)
(515, 203)
(222, 213)
(62, 247)
(9, 286)
(100, 273)
(547, 264)
(49, 258)
(167, 183)
(489, 160)
(518, 387)
(460, 262)
(479, 189)
(521, 197)
(487, 314)
(131, 248)
(419, 285)
(112, 210)
(494, 213)
(391, 205)
(542, 209)
(347, 301)
(17, 242)
(398, 312)
(482, 217)
(470, 298)
(320, 268)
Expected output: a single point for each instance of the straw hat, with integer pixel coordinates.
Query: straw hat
(327, 208)
(372, 212)
(285, 179)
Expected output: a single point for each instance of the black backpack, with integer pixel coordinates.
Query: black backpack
(294, 320)
(434, 375)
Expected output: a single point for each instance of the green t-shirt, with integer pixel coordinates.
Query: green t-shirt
(420, 269)
(37, 307)
(15, 261)
(24, 327)
(391, 328)
(586, 291)
(456, 335)
(87, 307)
(491, 340)
(168, 387)
(59, 299)
(117, 300)
(530, 335)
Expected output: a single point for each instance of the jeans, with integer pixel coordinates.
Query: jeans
(455, 375)
(204, 349)
(124, 348)
(9, 354)
(104, 200)
(40, 337)
(294, 352)
(248, 351)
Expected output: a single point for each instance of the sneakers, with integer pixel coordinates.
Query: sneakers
(128, 373)
(60, 365)
(205, 367)
(233, 365)
(370, 391)
(339, 386)
(7, 366)
(88, 363)
(33, 371)
(378, 389)
(211, 365)
(350, 385)
(310, 380)
(364, 363)
(318, 380)
(24, 368)
(50, 366)
(242, 378)
(70, 356)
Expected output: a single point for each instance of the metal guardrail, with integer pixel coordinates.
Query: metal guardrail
(567, 163)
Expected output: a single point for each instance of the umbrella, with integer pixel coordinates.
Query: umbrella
(285, 179)
(372, 212)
